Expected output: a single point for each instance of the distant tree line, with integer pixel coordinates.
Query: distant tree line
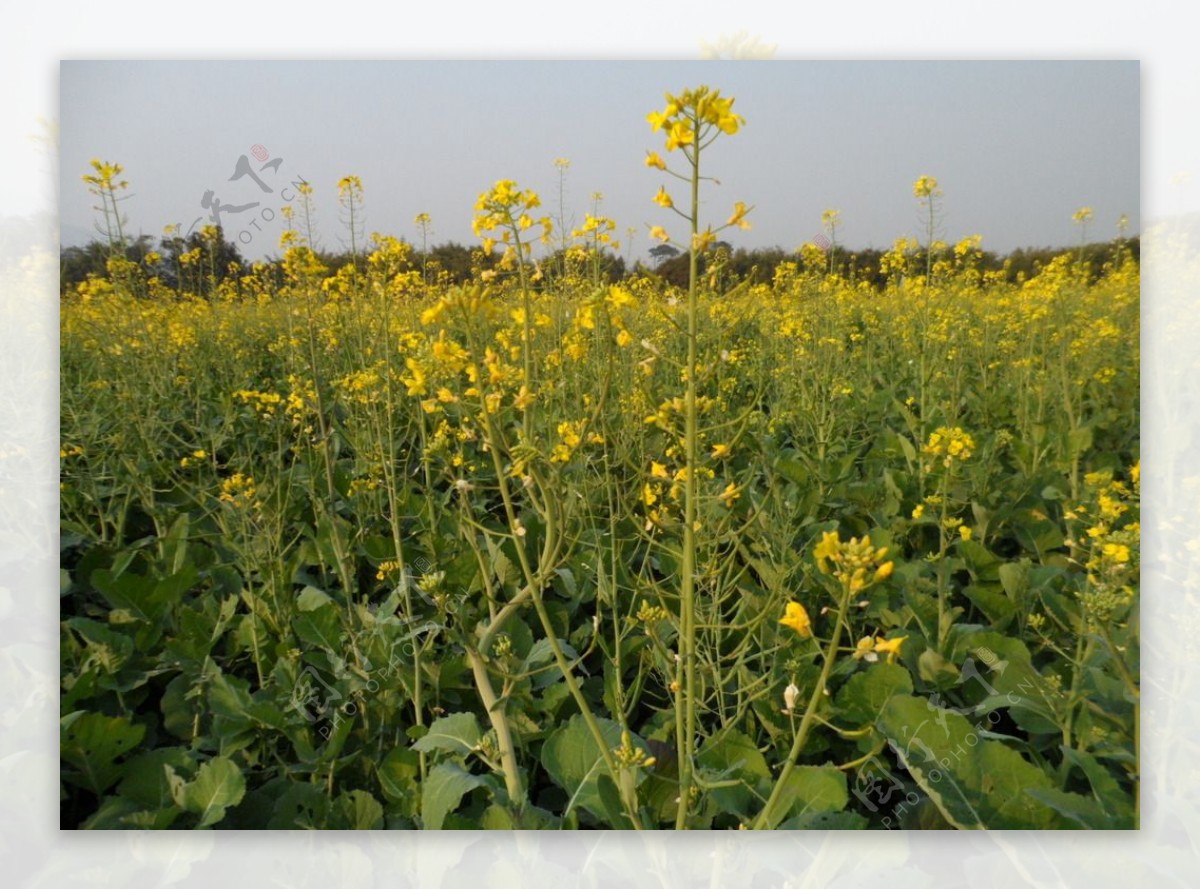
(455, 263)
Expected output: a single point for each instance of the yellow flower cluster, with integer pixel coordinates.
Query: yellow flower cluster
(648, 614)
(951, 444)
(690, 116)
(855, 563)
(1113, 541)
(870, 648)
(196, 457)
(627, 755)
(386, 569)
(239, 491)
(925, 186)
(505, 209)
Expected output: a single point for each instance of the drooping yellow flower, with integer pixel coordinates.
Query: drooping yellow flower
(796, 617)
(660, 233)
(739, 216)
(730, 494)
(865, 650)
(829, 548)
(653, 160)
(662, 199)
(890, 648)
(721, 451)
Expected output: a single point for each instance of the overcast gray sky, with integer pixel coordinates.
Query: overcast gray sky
(1017, 147)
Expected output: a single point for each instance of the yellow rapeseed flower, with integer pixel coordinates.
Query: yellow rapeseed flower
(796, 617)
(891, 647)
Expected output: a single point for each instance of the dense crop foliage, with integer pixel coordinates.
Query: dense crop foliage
(356, 549)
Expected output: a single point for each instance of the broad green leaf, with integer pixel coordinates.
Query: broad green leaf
(1105, 789)
(734, 771)
(145, 780)
(974, 782)
(120, 813)
(936, 669)
(321, 628)
(825, 821)
(496, 818)
(541, 653)
(175, 544)
(575, 763)
(218, 784)
(398, 775)
(1014, 576)
(1078, 810)
(998, 608)
(360, 810)
(310, 599)
(998, 672)
(302, 805)
(456, 733)
(811, 789)
(92, 742)
(443, 791)
(1079, 440)
(863, 696)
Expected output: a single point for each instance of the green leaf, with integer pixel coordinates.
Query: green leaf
(311, 599)
(811, 789)
(935, 669)
(496, 818)
(398, 775)
(825, 821)
(974, 782)
(998, 608)
(119, 813)
(360, 810)
(541, 653)
(92, 742)
(575, 764)
(1081, 811)
(302, 805)
(734, 771)
(456, 733)
(1079, 440)
(863, 696)
(1001, 667)
(1015, 578)
(320, 628)
(792, 470)
(175, 544)
(443, 791)
(219, 784)
(1105, 789)
(145, 781)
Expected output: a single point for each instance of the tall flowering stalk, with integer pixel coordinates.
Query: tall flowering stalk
(926, 191)
(692, 121)
(853, 566)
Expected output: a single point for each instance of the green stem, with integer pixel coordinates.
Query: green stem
(685, 728)
(499, 720)
(810, 713)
